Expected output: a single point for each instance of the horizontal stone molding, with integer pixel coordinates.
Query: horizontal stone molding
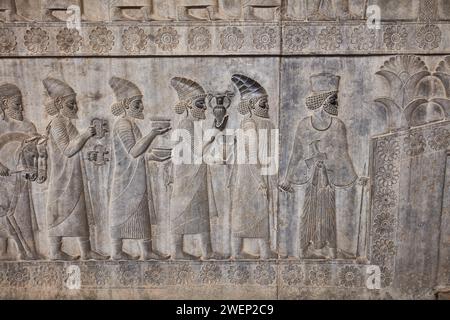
(222, 39)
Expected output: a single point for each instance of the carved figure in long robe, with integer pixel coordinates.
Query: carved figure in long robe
(131, 205)
(320, 159)
(17, 216)
(252, 198)
(67, 199)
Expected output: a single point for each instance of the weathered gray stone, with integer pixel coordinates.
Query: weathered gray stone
(327, 176)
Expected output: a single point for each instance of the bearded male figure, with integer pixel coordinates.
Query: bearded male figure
(192, 203)
(17, 216)
(131, 203)
(67, 199)
(252, 197)
(320, 159)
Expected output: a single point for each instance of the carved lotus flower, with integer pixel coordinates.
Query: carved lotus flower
(69, 40)
(388, 150)
(238, 274)
(330, 38)
(439, 139)
(101, 40)
(167, 38)
(36, 40)
(184, 275)
(232, 39)
(317, 277)
(428, 37)
(210, 273)
(297, 39)
(47, 276)
(387, 175)
(383, 249)
(18, 276)
(264, 274)
(363, 38)
(264, 38)
(154, 275)
(385, 199)
(415, 144)
(7, 40)
(293, 274)
(199, 39)
(349, 277)
(395, 37)
(128, 274)
(134, 39)
(384, 222)
(97, 275)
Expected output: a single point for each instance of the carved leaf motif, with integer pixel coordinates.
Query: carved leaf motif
(443, 74)
(403, 74)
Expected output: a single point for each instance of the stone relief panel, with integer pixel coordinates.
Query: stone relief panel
(224, 148)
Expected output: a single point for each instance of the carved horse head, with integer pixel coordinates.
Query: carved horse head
(31, 155)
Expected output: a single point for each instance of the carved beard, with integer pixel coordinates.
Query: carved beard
(326, 100)
(14, 114)
(66, 112)
(135, 114)
(198, 113)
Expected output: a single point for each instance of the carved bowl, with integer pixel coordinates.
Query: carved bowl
(162, 152)
(160, 123)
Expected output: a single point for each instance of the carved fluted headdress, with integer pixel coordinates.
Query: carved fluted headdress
(251, 92)
(248, 88)
(124, 89)
(9, 90)
(187, 91)
(57, 88)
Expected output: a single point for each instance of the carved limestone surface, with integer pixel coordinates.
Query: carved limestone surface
(224, 149)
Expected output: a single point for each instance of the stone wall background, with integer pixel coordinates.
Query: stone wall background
(405, 234)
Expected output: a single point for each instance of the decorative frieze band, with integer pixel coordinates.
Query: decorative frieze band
(201, 39)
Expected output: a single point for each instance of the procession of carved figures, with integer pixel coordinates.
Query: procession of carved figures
(319, 162)
(184, 10)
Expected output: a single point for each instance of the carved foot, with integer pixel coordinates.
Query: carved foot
(154, 255)
(215, 14)
(92, 255)
(184, 15)
(213, 256)
(318, 16)
(149, 16)
(62, 256)
(184, 256)
(244, 256)
(117, 14)
(123, 256)
(49, 17)
(269, 256)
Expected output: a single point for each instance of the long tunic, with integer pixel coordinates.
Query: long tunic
(15, 191)
(250, 210)
(66, 203)
(190, 205)
(321, 160)
(129, 203)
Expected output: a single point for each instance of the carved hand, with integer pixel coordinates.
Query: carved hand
(160, 131)
(286, 186)
(362, 181)
(4, 171)
(90, 132)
